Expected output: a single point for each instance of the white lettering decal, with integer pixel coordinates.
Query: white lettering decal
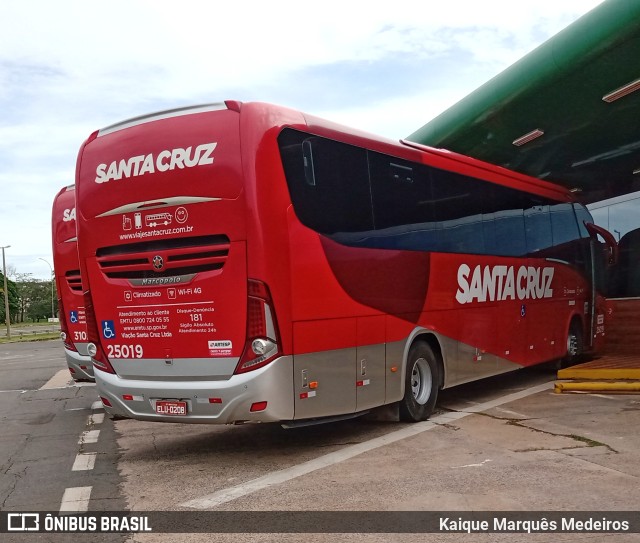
(147, 165)
(521, 288)
(463, 286)
(124, 169)
(547, 274)
(206, 150)
(489, 286)
(101, 174)
(69, 215)
(162, 166)
(503, 283)
(112, 173)
(177, 159)
(190, 160)
(510, 286)
(476, 285)
(165, 160)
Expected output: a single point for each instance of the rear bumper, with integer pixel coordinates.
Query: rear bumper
(80, 366)
(234, 396)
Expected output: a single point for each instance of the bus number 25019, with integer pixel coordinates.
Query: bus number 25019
(124, 351)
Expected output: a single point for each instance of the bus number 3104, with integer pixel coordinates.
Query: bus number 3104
(124, 351)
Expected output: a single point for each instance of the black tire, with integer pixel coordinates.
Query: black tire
(575, 344)
(421, 383)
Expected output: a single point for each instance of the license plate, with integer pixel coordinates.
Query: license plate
(170, 407)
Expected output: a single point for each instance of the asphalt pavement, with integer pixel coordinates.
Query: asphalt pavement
(45, 420)
(503, 444)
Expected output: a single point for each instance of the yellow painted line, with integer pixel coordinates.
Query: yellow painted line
(599, 373)
(598, 386)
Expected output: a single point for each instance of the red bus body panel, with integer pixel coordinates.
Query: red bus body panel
(69, 283)
(145, 187)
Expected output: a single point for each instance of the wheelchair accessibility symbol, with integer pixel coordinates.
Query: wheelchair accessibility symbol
(108, 330)
(73, 317)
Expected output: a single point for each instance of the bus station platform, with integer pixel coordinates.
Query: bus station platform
(610, 373)
(618, 369)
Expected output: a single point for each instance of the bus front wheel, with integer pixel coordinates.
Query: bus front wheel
(422, 380)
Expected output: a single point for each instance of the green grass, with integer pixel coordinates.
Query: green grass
(28, 336)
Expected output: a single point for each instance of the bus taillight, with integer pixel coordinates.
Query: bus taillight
(262, 344)
(99, 359)
(64, 328)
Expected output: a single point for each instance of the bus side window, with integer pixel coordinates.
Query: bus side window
(458, 202)
(509, 232)
(503, 221)
(328, 182)
(564, 226)
(401, 192)
(583, 216)
(538, 229)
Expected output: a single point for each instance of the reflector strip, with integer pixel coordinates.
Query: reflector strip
(363, 383)
(258, 406)
(305, 395)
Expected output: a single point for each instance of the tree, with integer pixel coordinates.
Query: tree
(34, 298)
(23, 285)
(14, 299)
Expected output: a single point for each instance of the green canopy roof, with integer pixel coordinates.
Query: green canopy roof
(566, 112)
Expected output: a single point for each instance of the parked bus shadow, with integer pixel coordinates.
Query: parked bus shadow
(165, 441)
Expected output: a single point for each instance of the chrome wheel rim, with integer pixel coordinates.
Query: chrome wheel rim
(421, 380)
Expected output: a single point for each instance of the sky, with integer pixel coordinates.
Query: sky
(69, 68)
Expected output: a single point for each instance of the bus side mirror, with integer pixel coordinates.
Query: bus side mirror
(609, 240)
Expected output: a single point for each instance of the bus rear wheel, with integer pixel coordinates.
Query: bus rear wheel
(422, 380)
(575, 344)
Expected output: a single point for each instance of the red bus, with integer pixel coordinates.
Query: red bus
(73, 322)
(310, 270)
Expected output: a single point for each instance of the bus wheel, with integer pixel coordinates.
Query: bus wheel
(421, 384)
(574, 343)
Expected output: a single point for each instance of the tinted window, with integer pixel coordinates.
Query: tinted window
(509, 233)
(368, 199)
(328, 182)
(508, 207)
(459, 203)
(538, 229)
(564, 226)
(583, 215)
(401, 191)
